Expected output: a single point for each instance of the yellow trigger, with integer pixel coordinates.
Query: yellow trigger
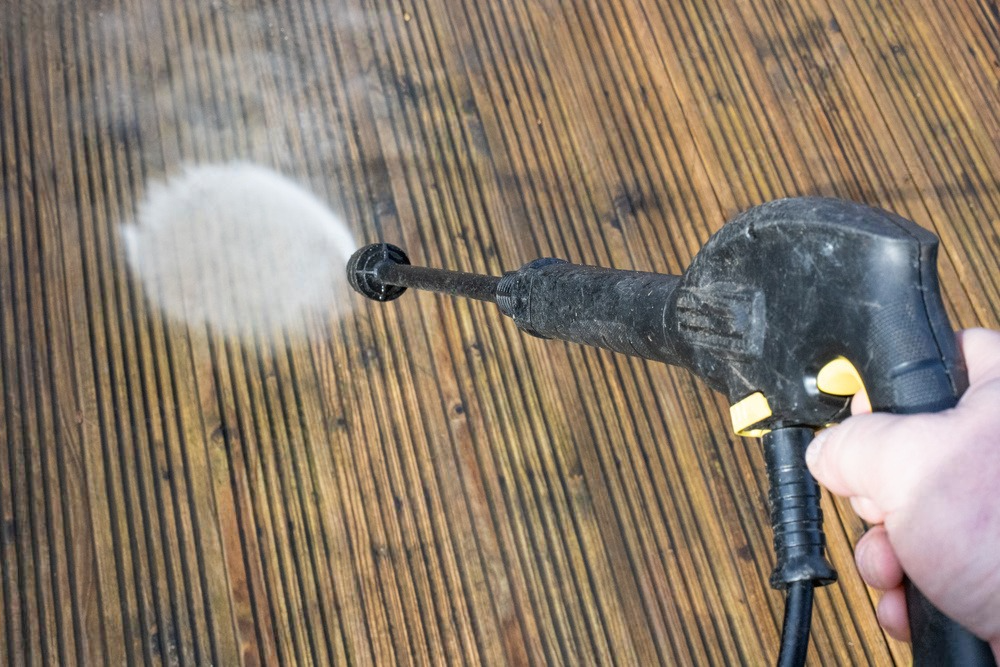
(752, 409)
(839, 378)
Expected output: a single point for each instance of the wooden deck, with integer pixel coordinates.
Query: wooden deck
(421, 483)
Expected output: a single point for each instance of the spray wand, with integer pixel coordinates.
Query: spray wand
(790, 309)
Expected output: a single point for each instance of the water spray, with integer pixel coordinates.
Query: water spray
(239, 248)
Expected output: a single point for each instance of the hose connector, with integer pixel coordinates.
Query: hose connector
(796, 517)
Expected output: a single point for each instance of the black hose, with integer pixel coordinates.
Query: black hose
(795, 631)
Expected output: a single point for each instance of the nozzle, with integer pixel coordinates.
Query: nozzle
(363, 274)
(383, 272)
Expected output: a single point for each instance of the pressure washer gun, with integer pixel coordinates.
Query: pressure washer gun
(788, 310)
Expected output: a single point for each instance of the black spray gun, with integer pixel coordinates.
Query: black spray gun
(786, 310)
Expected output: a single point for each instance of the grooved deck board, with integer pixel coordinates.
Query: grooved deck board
(420, 483)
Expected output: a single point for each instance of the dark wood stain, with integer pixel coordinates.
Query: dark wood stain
(420, 483)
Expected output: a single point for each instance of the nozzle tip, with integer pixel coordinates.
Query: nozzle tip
(361, 272)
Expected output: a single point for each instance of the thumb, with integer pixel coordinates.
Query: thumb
(872, 456)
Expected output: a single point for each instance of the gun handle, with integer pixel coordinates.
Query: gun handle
(938, 640)
(921, 370)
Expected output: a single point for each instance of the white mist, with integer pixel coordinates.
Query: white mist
(238, 247)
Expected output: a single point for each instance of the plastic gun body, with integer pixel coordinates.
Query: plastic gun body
(785, 310)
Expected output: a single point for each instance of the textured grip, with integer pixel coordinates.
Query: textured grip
(931, 379)
(622, 311)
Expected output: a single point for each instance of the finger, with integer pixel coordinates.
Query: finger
(877, 561)
(860, 404)
(892, 614)
(871, 456)
(981, 349)
(867, 509)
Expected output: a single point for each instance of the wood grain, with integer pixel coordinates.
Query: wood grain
(421, 483)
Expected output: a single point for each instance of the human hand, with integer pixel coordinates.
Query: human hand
(927, 482)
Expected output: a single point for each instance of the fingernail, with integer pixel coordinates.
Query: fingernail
(812, 451)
